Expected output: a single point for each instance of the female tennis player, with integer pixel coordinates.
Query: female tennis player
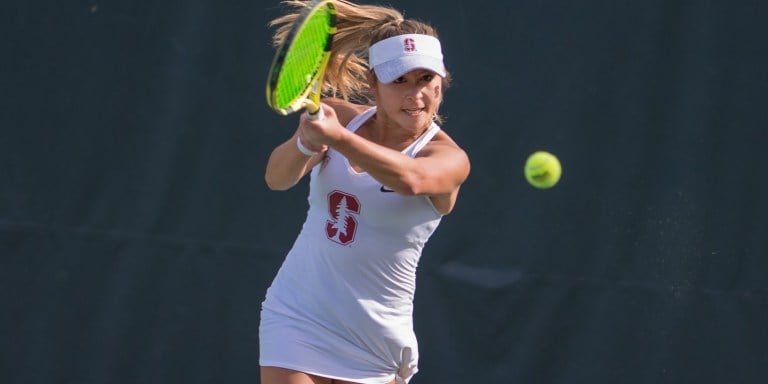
(382, 175)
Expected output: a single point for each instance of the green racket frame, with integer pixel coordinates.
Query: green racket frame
(297, 71)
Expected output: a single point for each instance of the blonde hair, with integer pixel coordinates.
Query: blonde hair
(357, 28)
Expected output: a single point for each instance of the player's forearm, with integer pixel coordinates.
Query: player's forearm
(287, 165)
(391, 168)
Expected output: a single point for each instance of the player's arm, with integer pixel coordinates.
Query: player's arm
(437, 171)
(287, 164)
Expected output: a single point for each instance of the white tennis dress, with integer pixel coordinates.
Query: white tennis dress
(341, 304)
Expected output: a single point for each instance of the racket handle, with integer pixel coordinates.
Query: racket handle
(317, 115)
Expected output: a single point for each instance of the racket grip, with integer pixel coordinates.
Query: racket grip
(317, 115)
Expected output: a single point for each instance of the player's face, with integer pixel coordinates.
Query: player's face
(411, 100)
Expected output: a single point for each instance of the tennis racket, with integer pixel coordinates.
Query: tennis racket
(296, 76)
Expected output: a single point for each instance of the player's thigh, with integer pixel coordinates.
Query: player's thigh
(277, 375)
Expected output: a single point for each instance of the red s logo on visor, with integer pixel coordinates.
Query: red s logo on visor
(342, 226)
(409, 45)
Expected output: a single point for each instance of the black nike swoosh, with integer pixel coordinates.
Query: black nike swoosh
(385, 189)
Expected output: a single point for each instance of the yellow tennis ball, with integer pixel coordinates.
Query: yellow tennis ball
(542, 170)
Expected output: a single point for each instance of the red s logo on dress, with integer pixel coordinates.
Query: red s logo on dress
(409, 45)
(342, 226)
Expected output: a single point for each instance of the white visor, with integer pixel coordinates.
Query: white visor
(394, 57)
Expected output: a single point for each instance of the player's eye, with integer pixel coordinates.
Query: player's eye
(428, 77)
(399, 80)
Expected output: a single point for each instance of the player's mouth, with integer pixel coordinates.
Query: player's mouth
(413, 111)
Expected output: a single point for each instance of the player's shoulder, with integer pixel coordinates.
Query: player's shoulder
(442, 144)
(442, 137)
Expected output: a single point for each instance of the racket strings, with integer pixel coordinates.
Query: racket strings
(303, 59)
